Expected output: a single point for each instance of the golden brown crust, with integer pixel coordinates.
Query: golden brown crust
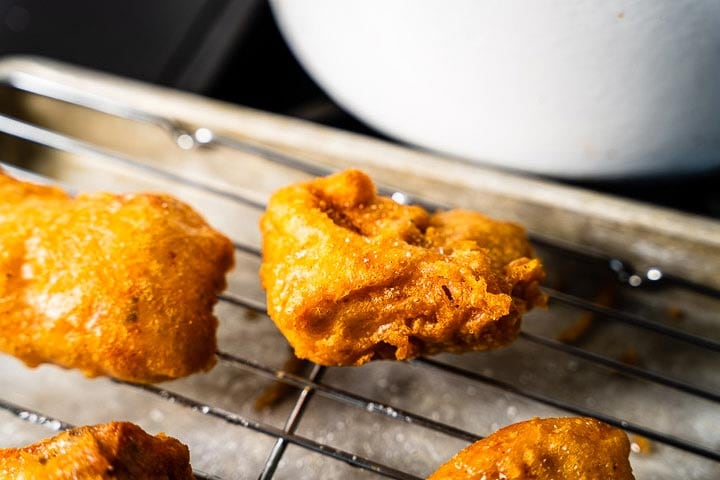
(352, 276)
(117, 450)
(544, 449)
(117, 285)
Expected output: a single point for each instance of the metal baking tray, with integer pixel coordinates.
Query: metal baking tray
(642, 280)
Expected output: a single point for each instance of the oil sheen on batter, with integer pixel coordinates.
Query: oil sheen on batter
(116, 285)
(117, 450)
(352, 276)
(544, 449)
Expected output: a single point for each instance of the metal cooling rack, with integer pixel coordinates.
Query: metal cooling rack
(640, 299)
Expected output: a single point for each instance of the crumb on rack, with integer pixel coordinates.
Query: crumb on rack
(278, 391)
(675, 313)
(579, 329)
(630, 356)
(641, 445)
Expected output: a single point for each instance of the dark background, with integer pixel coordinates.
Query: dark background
(233, 51)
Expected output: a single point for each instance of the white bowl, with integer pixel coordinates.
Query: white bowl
(569, 88)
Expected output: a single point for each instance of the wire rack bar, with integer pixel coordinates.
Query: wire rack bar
(694, 286)
(357, 401)
(291, 424)
(261, 427)
(49, 89)
(65, 143)
(622, 367)
(250, 250)
(254, 305)
(57, 91)
(631, 319)
(35, 417)
(624, 424)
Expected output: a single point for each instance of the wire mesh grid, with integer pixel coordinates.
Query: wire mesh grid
(637, 350)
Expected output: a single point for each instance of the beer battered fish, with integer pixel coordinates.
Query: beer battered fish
(352, 276)
(544, 449)
(116, 285)
(117, 450)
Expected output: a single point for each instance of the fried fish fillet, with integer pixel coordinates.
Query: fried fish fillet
(117, 285)
(352, 276)
(544, 449)
(117, 450)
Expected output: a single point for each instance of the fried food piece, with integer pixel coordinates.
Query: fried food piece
(544, 449)
(117, 285)
(116, 450)
(352, 276)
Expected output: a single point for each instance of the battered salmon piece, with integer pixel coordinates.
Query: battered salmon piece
(117, 285)
(544, 449)
(352, 276)
(117, 450)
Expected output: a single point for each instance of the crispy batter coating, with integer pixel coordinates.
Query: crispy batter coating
(117, 285)
(352, 276)
(117, 450)
(544, 449)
